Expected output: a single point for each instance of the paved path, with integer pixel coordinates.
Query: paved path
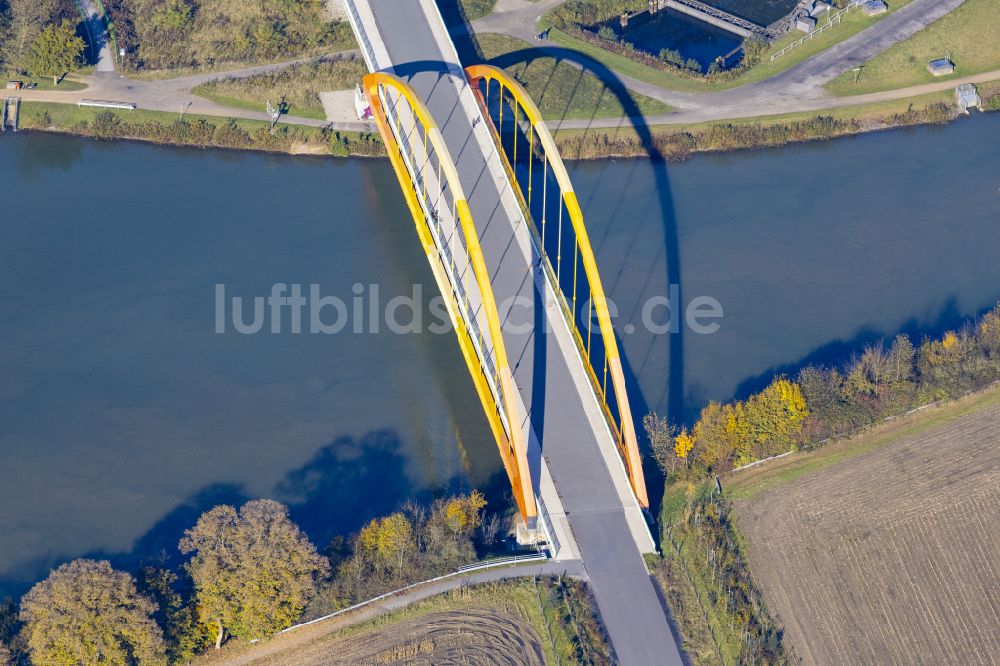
(174, 95)
(292, 640)
(97, 37)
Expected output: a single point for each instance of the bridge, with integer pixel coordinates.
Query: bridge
(499, 222)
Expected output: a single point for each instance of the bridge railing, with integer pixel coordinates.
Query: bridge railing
(434, 195)
(551, 206)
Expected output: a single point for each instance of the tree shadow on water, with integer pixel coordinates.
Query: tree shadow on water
(346, 484)
(837, 353)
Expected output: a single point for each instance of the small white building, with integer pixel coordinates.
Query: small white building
(940, 67)
(967, 97)
(875, 7)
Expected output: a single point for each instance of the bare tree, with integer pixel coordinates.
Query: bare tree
(661, 435)
(490, 528)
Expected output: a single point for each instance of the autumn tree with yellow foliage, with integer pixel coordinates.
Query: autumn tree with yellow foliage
(883, 380)
(253, 569)
(408, 545)
(737, 433)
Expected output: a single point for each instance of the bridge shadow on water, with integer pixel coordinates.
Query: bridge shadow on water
(672, 392)
(659, 198)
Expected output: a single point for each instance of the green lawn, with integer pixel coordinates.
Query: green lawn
(477, 8)
(561, 90)
(44, 83)
(853, 23)
(299, 85)
(969, 35)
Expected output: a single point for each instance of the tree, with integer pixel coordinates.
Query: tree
(754, 49)
(661, 438)
(5, 658)
(253, 570)
(55, 52)
(85, 612)
(27, 18)
(184, 636)
(387, 542)
(490, 529)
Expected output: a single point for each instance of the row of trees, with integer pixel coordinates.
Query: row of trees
(885, 379)
(201, 132)
(39, 37)
(415, 543)
(251, 572)
(160, 34)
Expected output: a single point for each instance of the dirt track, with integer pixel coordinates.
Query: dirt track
(474, 636)
(484, 636)
(892, 557)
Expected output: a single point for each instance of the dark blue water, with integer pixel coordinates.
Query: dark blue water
(123, 414)
(669, 29)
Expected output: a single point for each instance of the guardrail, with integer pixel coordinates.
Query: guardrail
(104, 104)
(835, 19)
(720, 15)
(354, 17)
(461, 571)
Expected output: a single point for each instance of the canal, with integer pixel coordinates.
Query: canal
(130, 401)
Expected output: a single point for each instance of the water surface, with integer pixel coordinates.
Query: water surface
(123, 414)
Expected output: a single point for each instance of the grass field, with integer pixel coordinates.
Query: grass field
(67, 115)
(299, 85)
(514, 622)
(853, 23)
(44, 83)
(561, 90)
(477, 8)
(969, 35)
(882, 548)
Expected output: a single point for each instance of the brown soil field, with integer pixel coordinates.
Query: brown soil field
(891, 556)
(480, 636)
(515, 622)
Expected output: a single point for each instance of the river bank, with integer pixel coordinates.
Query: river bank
(671, 142)
(679, 142)
(200, 131)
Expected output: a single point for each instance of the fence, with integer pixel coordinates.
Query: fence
(469, 568)
(834, 19)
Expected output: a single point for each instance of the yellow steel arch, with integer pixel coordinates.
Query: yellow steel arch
(625, 428)
(509, 439)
